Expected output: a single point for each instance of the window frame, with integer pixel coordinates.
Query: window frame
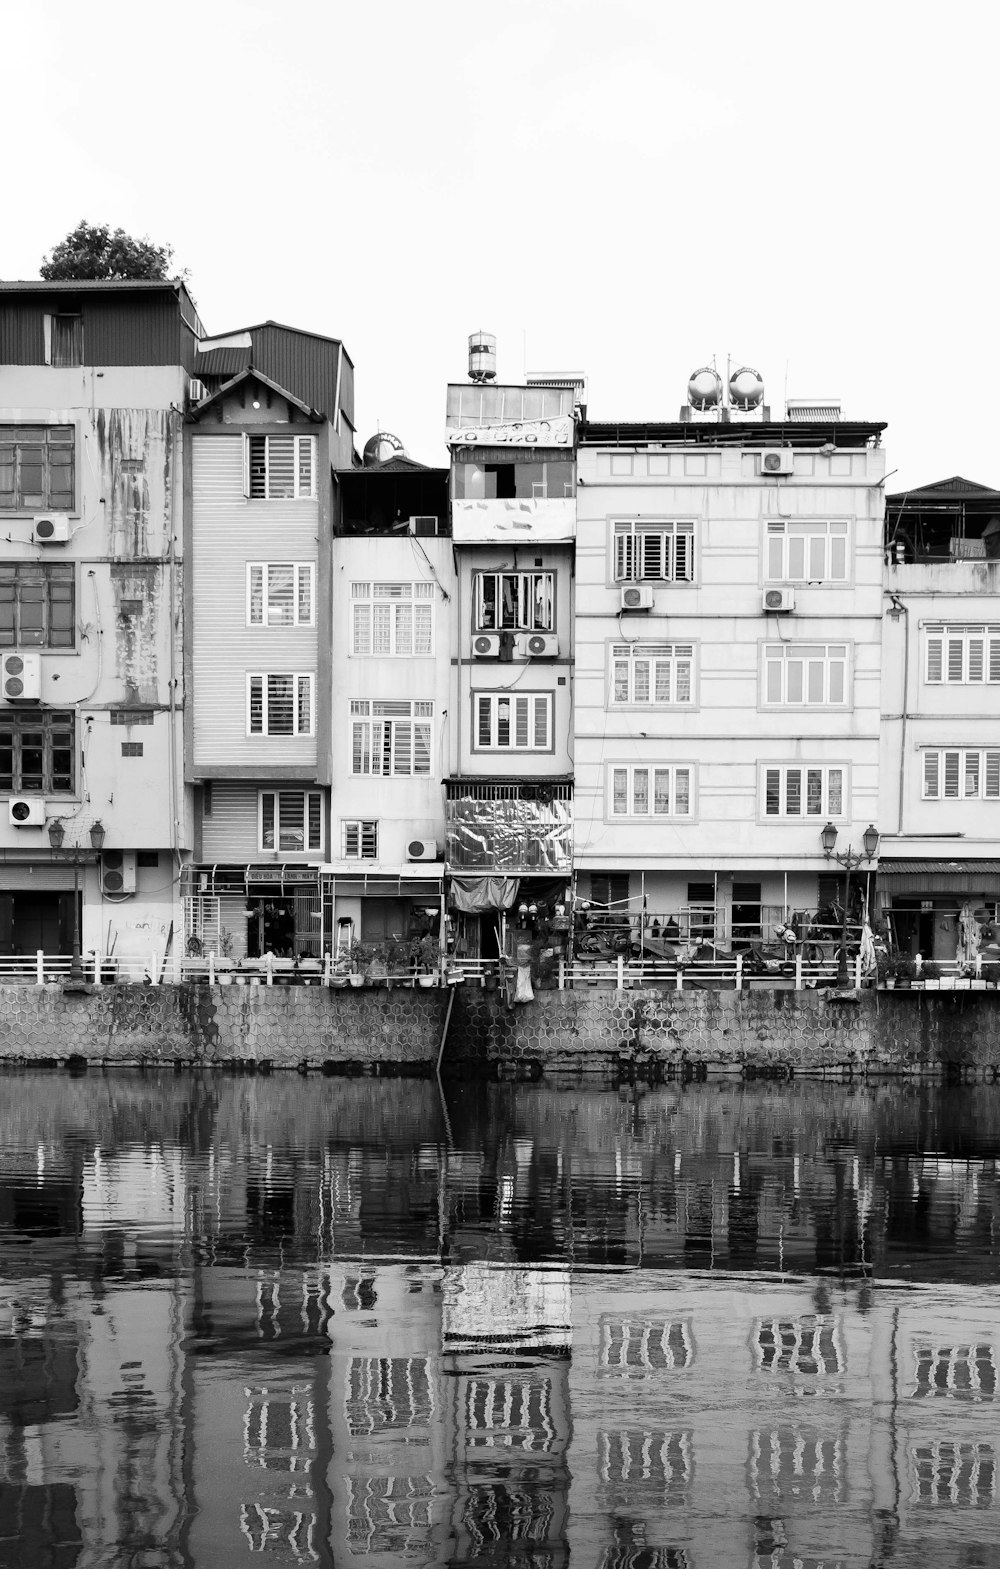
(641, 650)
(526, 620)
(306, 797)
(786, 529)
(628, 561)
(46, 720)
(362, 826)
(532, 698)
(298, 568)
(267, 436)
(945, 635)
(297, 733)
(51, 572)
(987, 772)
(52, 501)
(800, 647)
(682, 765)
(362, 713)
(414, 601)
(825, 812)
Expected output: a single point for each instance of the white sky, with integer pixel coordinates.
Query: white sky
(624, 187)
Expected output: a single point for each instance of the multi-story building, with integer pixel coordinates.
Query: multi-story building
(93, 383)
(513, 519)
(272, 420)
(728, 643)
(940, 800)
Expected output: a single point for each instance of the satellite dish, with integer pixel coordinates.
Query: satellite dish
(381, 447)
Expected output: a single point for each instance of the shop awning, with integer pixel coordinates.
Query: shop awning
(896, 875)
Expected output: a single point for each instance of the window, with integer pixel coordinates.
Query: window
(522, 601)
(280, 704)
(805, 675)
(280, 594)
(278, 468)
(391, 738)
(651, 673)
(963, 655)
(521, 722)
(661, 551)
(36, 468)
(966, 1372)
(656, 791)
(63, 340)
(291, 820)
(37, 605)
(501, 476)
(803, 792)
(132, 748)
(36, 751)
(131, 716)
(807, 1346)
(392, 618)
(635, 1346)
(359, 839)
(962, 775)
(804, 551)
(948, 1473)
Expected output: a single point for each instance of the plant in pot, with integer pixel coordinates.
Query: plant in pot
(905, 969)
(930, 974)
(990, 973)
(428, 960)
(224, 962)
(360, 956)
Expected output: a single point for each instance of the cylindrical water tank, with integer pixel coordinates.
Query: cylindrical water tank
(482, 356)
(746, 388)
(705, 388)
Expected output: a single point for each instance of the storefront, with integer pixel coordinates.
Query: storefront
(245, 912)
(380, 908)
(931, 906)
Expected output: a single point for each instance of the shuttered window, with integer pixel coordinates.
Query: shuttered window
(651, 673)
(280, 704)
(513, 722)
(806, 551)
(966, 655)
(650, 791)
(962, 774)
(798, 675)
(393, 619)
(291, 820)
(279, 468)
(654, 552)
(803, 791)
(391, 738)
(359, 839)
(280, 593)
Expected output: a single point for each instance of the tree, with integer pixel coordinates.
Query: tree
(97, 251)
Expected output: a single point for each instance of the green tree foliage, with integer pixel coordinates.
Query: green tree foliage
(97, 251)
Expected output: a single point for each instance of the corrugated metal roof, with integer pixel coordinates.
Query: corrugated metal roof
(954, 489)
(262, 380)
(222, 362)
(896, 867)
(73, 285)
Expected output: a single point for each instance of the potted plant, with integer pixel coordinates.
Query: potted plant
(905, 969)
(428, 960)
(360, 955)
(224, 963)
(990, 972)
(930, 974)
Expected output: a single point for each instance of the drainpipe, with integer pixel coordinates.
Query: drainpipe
(177, 474)
(898, 607)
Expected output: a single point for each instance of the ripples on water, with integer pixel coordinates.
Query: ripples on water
(329, 1321)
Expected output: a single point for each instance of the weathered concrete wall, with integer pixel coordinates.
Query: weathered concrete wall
(580, 1031)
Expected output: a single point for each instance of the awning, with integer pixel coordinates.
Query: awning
(896, 875)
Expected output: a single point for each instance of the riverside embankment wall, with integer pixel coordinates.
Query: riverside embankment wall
(593, 1031)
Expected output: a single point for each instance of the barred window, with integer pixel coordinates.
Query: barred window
(801, 550)
(948, 1473)
(513, 722)
(36, 751)
(359, 839)
(962, 655)
(278, 468)
(965, 1372)
(514, 601)
(654, 551)
(36, 468)
(810, 791)
(391, 738)
(280, 593)
(650, 791)
(652, 673)
(633, 1346)
(291, 820)
(961, 775)
(280, 704)
(392, 618)
(809, 1345)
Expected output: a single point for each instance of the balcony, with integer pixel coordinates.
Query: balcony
(509, 827)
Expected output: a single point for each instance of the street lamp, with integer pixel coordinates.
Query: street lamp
(79, 856)
(850, 860)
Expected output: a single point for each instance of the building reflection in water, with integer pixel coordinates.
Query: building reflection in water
(328, 1323)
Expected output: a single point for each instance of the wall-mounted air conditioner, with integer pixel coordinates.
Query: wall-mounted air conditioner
(421, 850)
(427, 524)
(776, 460)
(197, 391)
(538, 645)
(637, 596)
(50, 528)
(777, 601)
(118, 872)
(21, 678)
(486, 645)
(26, 811)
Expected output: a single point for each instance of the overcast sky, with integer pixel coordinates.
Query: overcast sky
(626, 188)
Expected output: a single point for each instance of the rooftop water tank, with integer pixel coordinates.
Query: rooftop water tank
(705, 388)
(746, 388)
(482, 356)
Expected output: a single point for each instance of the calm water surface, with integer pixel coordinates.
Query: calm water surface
(334, 1322)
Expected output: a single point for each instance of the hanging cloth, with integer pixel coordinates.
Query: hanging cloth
(476, 894)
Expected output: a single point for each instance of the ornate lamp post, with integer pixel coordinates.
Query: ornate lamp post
(79, 856)
(850, 860)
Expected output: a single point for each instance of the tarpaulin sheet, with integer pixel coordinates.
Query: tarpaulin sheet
(475, 894)
(510, 836)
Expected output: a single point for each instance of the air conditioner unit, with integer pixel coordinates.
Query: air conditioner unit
(778, 601)
(486, 645)
(421, 850)
(776, 460)
(26, 811)
(426, 524)
(197, 391)
(51, 528)
(21, 677)
(118, 872)
(538, 645)
(637, 596)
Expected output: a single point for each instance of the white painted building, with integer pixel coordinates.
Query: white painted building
(728, 647)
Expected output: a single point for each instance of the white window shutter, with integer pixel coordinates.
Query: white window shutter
(246, 467)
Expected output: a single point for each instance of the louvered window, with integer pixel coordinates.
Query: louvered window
(359, 839)
(391, 738)
(798, 675)
(657, 552)
(806, 551)
(279, 468)
(816, 791)
(651, 673)
(966, 655)
(280, 593)
(641, 791)
(280, 704)
(291, 820)
(393, 619)
(513, 722)
(962, 775)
